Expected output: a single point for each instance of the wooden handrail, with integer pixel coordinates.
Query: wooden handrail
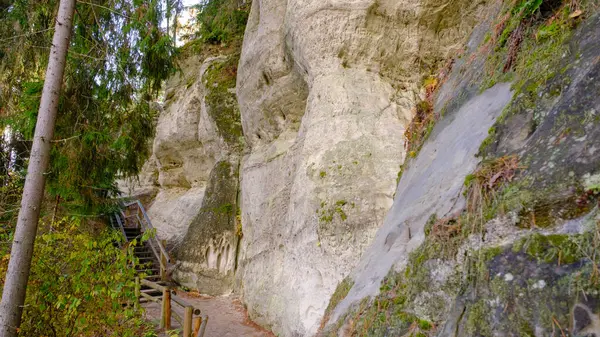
(150, 227)
(114, 226)
(168, 296)
(150, 298)
(153, 285)
(185, 304)
(121, 226)
(158, 248)
(202, 327)
(148, 224)
(162, 265)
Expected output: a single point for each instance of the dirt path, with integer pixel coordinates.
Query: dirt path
(227, 316)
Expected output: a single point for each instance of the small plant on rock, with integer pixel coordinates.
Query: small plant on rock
(482, 185)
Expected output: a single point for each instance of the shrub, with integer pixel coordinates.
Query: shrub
(222, 21)
(81, 284)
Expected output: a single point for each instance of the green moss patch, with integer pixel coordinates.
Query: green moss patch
(220, 81)
(338, 295)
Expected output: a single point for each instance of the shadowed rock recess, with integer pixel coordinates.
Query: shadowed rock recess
(436, 161)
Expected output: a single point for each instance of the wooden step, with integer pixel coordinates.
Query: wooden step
(146, 262)
(152, 277)
(151, 291)
(146, 259)
(132, 231)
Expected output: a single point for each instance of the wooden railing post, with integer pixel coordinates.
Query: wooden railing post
(197, 323)
(165, 321)
(187, 321)
(163, 264)
(136, 304)
(203, 326)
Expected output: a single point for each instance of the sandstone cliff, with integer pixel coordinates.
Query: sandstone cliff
(194, 173)
(494, 228)
(435, 161)
(326, 90)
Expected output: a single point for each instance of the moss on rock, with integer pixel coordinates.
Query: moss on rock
(220, 81)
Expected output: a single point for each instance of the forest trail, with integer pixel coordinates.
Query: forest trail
(227, 316)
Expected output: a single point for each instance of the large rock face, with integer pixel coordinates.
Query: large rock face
(493, 226)
(186, 148)
(194, 170)
(326, 90)
(503, 246)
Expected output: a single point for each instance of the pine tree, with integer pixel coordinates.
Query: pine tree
(118, 58)
(13, 295)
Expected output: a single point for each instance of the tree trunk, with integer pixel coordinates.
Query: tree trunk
(15, 285)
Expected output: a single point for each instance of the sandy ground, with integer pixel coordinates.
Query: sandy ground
(227, 316)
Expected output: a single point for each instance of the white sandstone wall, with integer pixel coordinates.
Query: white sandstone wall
(326, 90)
(192, 177)
(186, 148)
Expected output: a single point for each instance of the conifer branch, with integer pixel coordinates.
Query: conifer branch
(64, 140)
(26, 35)
(103, 7)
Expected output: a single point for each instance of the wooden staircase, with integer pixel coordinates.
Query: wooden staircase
(150, 253)
(152, 283)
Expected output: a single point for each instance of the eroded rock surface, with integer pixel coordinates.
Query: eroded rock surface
(307, 195)
(326, 90)
(194, 170)
(519, 263)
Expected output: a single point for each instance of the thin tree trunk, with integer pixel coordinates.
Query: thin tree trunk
(15, 285)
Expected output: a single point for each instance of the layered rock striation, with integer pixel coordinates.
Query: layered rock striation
(286, 174)
(326, 90)
(194, 173)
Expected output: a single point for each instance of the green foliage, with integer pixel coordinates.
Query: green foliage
(81, 284)
(327, 213)
(222, 21)
(341, 291)
(117, 61)
(527, 8)
(420, 127)
(387, 314)
(559, 248)
(11, 188)
(528, 42)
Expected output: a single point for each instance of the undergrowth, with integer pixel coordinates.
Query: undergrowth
(423, 121)
(81, 283)
(481, 186)
(527, 38)
(525, 45)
